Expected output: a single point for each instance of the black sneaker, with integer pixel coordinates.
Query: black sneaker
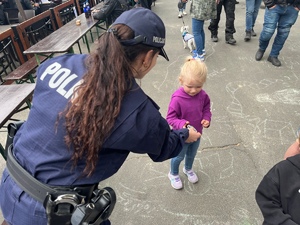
(253, 33)
(230, 40)
(214, 38)
(274, 60)
(259, 54)
(248, 36)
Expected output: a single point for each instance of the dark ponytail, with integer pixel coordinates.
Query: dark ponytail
(91, 115)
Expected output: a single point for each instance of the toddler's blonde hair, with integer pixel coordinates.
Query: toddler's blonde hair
(193, 70)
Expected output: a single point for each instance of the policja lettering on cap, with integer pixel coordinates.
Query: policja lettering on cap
(149, 29)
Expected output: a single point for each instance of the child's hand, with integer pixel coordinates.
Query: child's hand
(205, 123)
(186, 123)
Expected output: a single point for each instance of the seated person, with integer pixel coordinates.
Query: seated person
(144, 3)
(3, 4)
(278, 193)
(57, 2)
(110, 10)
(26, 4)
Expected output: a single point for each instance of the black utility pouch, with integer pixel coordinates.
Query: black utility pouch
(59, 207)
(12, 129)
(97, 210)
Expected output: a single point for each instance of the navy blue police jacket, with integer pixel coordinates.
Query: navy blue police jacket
(39, 145)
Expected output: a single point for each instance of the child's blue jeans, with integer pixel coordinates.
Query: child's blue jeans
(188, 152)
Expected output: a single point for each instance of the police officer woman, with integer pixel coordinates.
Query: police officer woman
(89, 113)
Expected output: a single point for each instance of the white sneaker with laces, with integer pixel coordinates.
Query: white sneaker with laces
(192, 177)
(175, 181)
(184, 12)
(180, 14)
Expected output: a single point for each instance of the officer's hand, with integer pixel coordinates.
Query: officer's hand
(193, 136)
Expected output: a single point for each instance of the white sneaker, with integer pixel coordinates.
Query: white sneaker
(180, 15)
(184, 12)
(200, 57)
(175, 181)
(192, 177)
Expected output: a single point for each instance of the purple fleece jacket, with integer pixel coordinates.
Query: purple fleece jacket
(183, 108)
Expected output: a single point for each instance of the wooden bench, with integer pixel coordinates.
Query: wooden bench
(24, 73)
(12, 100)
(29, 33)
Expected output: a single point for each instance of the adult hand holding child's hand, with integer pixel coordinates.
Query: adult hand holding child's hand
(193, 135)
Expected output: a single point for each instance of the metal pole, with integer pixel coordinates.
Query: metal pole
(21, 10)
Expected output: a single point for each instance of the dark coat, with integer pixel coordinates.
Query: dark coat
(278, 194)
(271, 3)
(111, 10)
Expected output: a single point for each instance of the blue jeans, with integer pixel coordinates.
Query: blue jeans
(188, 152)
(282, 18)
(252, 8)
(183, 7)
(199, 35)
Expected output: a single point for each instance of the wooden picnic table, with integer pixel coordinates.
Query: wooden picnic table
(12, 97)
(63, 39)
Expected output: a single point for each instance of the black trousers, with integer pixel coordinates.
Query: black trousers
(229, 8)
(2, 16)
(146, 3)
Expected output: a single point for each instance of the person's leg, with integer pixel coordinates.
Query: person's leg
(285, 22)
(175, 162)
(149, 4)
(203, 40)
(271, 19)
(183, 9)
(174, 171)
(2, 16)
(249, 14)
(257, 5)
(189, 161)
(198, 32)
(249, 18)
(214, 23)
(180, 8)
(190, 154)
(229, 7)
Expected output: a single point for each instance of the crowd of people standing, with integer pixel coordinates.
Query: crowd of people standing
(279, 16)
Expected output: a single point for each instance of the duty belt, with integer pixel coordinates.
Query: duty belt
(82, 204)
